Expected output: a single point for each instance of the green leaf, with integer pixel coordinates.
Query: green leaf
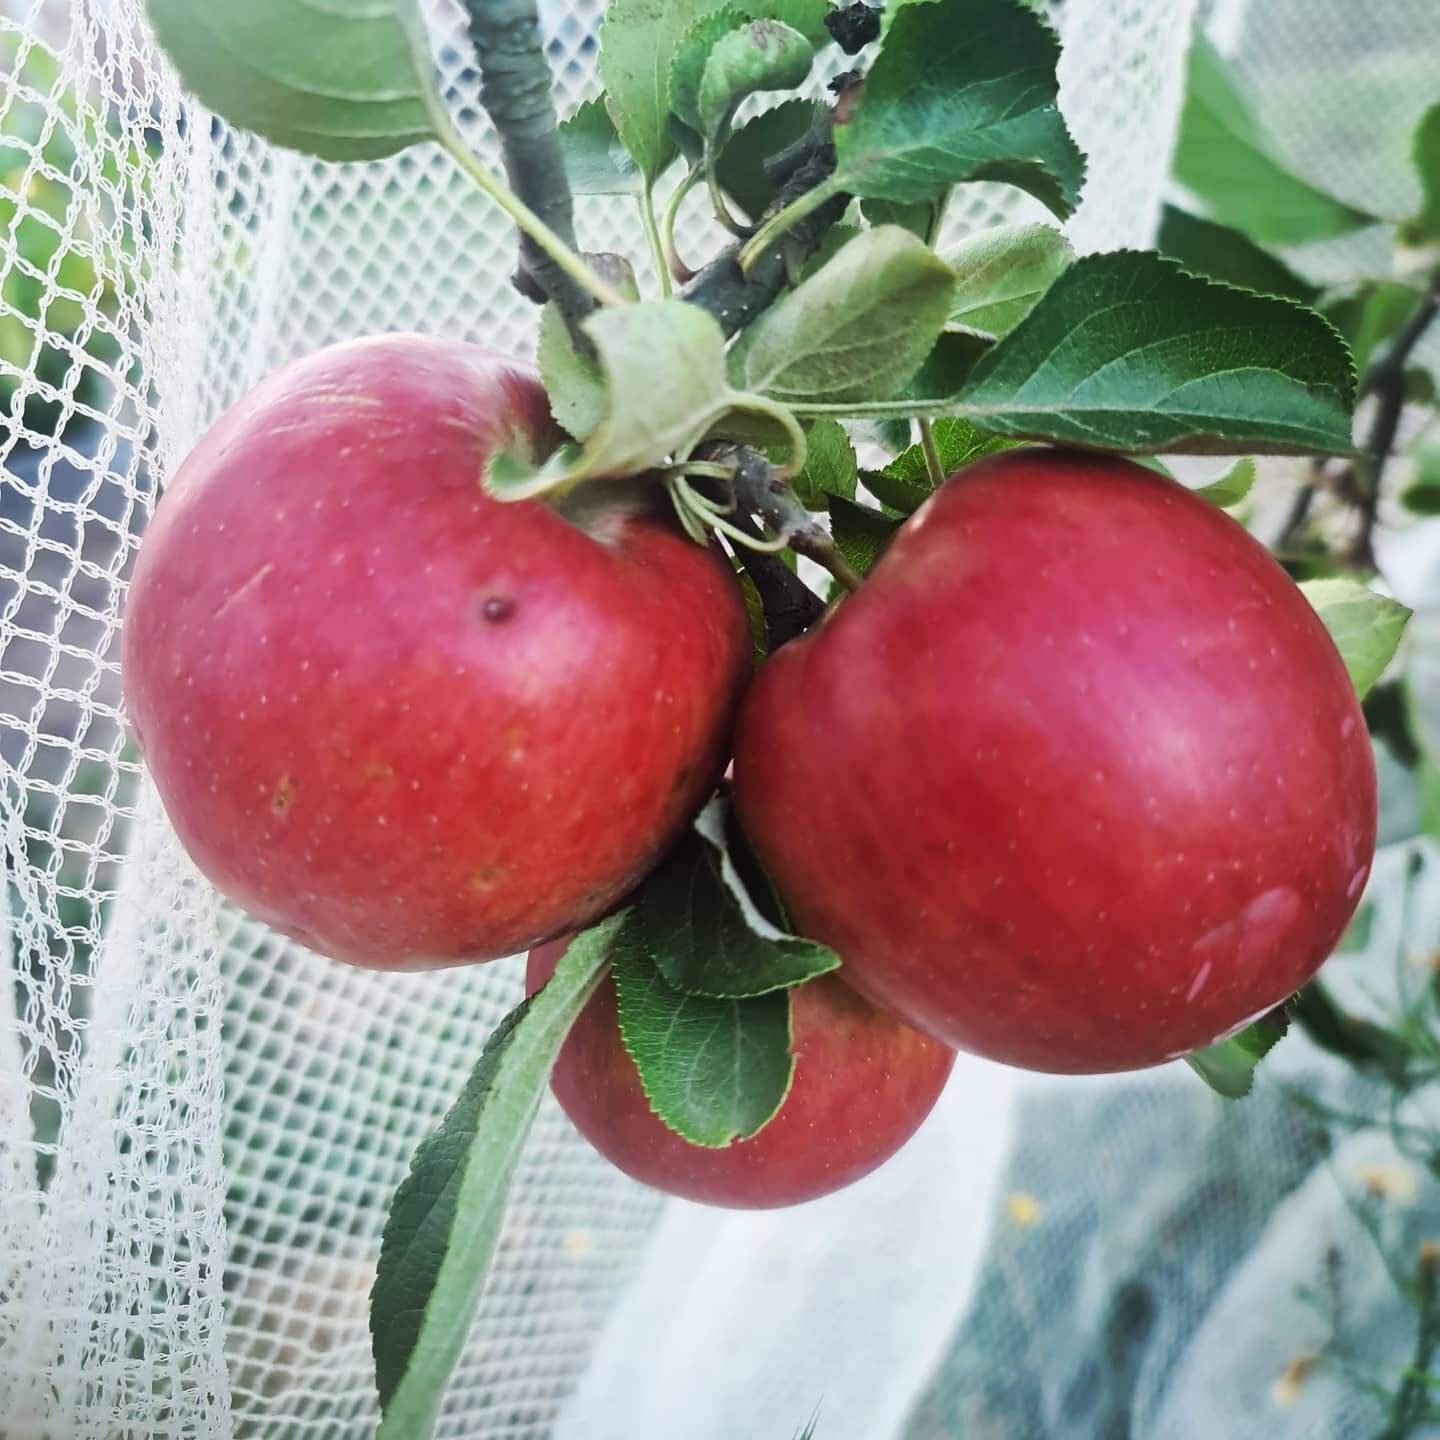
(664, 368)
(765, 55)
(1422, 496)
(341, 79)
(1427, 462)
(1419, 386)
(1129, 352)
(1149, 462)
(1429, 800)
(836, 238)
(1003, 272)
(755, 614)
(1228, 1067)
(638, 41)
(445, 1217)
(958, 442)
(806, 16)
(692, 54)
(1371, 316)
(741, 167)
(740, 869)
(1391, 714)
(891, 432)
(693, 50)
(704, 943)
(1424, 227)
(861, 534)
(1232, 487)
(1365, 627)
(904, 484)
(961, 90)
(948, 365)
(916, 217)
(687, 141)
(1223, 160)
(830, 466)
(860, 326)
(595, 160)
(573, 382)
(1206, 248)
(903, 494)
(713, 1070)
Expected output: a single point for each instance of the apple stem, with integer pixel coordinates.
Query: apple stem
(691, 521)
(785, 418)
(706, 469)
(932, 455)
(818, 545)
(515, 91)
(681, 272)
(658, 258)
(717, 197)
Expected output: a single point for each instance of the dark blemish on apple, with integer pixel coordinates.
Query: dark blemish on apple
(497, 608)
(284, 796)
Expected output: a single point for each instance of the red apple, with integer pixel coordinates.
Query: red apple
(862, 1084)
(393, 717)
(1076, 780)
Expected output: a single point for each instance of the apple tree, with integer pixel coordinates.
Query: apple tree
(1032, 750)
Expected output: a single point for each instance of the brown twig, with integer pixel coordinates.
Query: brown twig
(791, 607)
(515, 89)
(721, 287)
(1386, 380)
(760, 492)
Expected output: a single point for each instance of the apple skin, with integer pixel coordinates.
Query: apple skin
(1076, 780)
(397, 719)
(862, 1084)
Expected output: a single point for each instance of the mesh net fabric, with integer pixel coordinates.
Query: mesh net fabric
(200, 1123)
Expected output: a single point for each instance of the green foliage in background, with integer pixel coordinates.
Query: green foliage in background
(58, 278)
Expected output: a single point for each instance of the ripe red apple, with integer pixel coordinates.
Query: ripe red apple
(1076, 780)
(397, 719)
(862, 1084)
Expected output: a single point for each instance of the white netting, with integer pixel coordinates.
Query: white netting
(200, 1123)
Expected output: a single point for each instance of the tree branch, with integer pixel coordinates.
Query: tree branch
(515, 85)
(758, 490)
(721, 287)
(1387, 380)
(791, 607)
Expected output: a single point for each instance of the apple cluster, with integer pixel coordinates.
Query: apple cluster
(1076, 780)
